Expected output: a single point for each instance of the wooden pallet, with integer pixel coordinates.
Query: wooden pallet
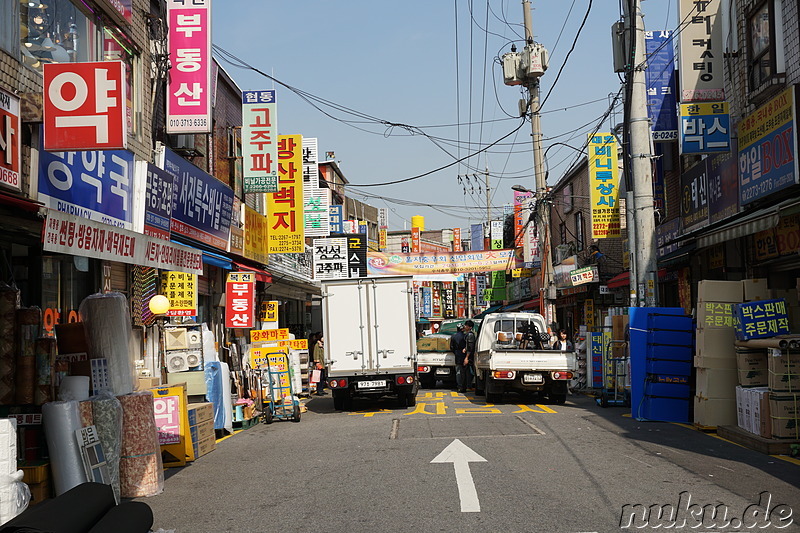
(245, 424)
(705, 429)
(756, 442)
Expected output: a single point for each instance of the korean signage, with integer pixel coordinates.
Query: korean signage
(480, 299)
(93, 185)
(700, 48)
(723, 185)
(85, 106)
(476, 237)
(596, 352)
(336, 219)
(269, 335)
(172, 422)
(694, 197)
(448, 301)
(415, 238)
(383, 227)
(584, 275)
(357, 256)
(285, 207)
(385, 264)
(705, 127)
(73, 235)
(269, 311)
(201, 204)
(259, 141)
(588, 312)
(167, 410)
(457, 240)
(158, 202)
(316, 199)
(603, 185)
(530, 245)
(759, 319)
(666, 235)
(181, 290)
(255, 235)
(496, 234)
(660, 78)
(521, 216)
(330, 258)
(190, 84)
(768, 148)
(10, 141)
(240, 300)
(521, 273)
(427, 301)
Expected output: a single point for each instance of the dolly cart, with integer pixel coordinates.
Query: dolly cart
(615, 375)
(282, 404)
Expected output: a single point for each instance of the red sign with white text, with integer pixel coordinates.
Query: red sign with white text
(240, 300)
(10, 141)
(84, 106)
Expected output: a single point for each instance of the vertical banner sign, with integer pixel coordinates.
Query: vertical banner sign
(481, 286)
(705, 128)
(476, 237)
(461, 305)
(448, 301)
(723, 185)
(383, 227)
(85, 106)
(457, 240)
(700, 47)
(588, 311)
(260, 141)
(316, 199)
(473, 286)
(336, 219)
(415, 238)
(521, 216)
(498, 277)
(531, 251)
(405, 248)
(255, 235)
(496, 234)
(240, 300)
(10, 141)
(285, 207)
(190, 84)
(427, 301)
(660, 79)
(436, 297)
(158, 203)
(596, 353)
(768, 148)
(357, 256)
(694, 197)
(330, 258)
(181, 290)
(269, 311)
(603, 185)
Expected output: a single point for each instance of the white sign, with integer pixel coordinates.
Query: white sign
(10, 141)
(604, 289)
(701, 62)
(73, 235)
(330, 258)
(316, 199)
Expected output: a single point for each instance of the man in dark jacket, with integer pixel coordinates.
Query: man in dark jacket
(464, 366)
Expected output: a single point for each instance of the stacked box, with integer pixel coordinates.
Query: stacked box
(761, 319)
(752, 367)
(752, 404)
(201, 428)
(784, 371)
(784, 412)
(755, 289)
(36, 474)
(790, 296)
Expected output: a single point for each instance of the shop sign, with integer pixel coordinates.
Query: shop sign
(603, 289)
(274, 357)
(269, 311)
(51, 317)
(357, 256)
(765, 244)
(461, 305)
(269, 335)
(172, 423)
(330, 258)
(768, 148)
(666, 234)
(700, 51)
(240, 300)
(496, 234)
(72, 235)
(522, 273)
(588, 312)
(10, 141)
(476, 237)
(260, 141)
(705, 128)
(521, 216)
(597, 354)
(660, 78)
(201, 204)
(473, 286)
(603, 185)
(255, 235)
(723, 185)
(760, 319)
(427, 301)
(480, 298)
(436, 297)
(285, 225)
(294, 344)
(336, 219)
(788, 235)
(457, 240)
(415, 241)
(531, 250)
(316, 199)
(494, 294)
(572, 291)
(92, 185)
(180, 289)
(158, 202)
(349, 226)
(190, 84)
(716, 257)
(694, 197)
(85, 106)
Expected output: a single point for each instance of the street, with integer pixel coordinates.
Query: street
(550, 468)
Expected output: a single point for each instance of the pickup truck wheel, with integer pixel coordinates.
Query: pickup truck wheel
(491, 396)
(338, 401)
(402, 400)
(480, 385)
(411, 399)
(558, 399)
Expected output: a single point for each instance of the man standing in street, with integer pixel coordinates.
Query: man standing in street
(464, 372)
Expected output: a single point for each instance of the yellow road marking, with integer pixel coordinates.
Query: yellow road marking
(420, 409)
(368, 414)
(528, 409)
(488, 409)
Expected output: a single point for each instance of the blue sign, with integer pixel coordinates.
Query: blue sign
(476, 237)
(158, 203)
(97, 185)
(597, 355)
(202, 206)
(761, 319)
(705, 128)
(660, 78)
(336, 219)
(258, 97)
(427, 301)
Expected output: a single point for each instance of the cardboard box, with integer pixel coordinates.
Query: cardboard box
(40, 491)
(720, 291)
(753, 410)
(712, 314)
(147, 383)
(790, 295)
(785, 415)
(204, 446)
(713, 412)
(716, 342)
(34, 471)
(755, 289)
(71, 338)
(716, 382)
(618, 326)
(752, 367)
(195, 381)
(784, 371)
(761, 319)
(202, 431)
(714, 362)
(200, 412)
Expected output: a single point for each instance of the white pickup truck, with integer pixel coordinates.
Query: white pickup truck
(369, 333)
(512, 354)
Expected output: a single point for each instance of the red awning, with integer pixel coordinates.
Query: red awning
(261, 275)
(22, 203)
(531, 304)
(620, 280)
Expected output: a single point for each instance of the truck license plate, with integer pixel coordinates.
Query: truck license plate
(442, 371)
(532, 378)
(372, 384)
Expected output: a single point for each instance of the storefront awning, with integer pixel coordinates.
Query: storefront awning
(531, 304)
(513, 307)
(740, 228)
(22, 203)
(490, 310)
(261, 275)
(620, 280)
(217, 260)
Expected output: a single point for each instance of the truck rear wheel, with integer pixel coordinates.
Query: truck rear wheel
(558, 399)
(491, 396)
(338, 400)
(411, 399)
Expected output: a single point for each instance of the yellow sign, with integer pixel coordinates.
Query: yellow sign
(181, 290)
(255, 235)
(604, 185)
(241, 277)
(522, 272)
(172, 422)
(285, 219)
(588, 310)
(269, 335)
(276, 356)
(269, 311)
(294, 344)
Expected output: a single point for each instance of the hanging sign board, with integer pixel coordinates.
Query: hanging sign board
(240, 300)
(269, 335)
(269, 311)
(181, 290)
(603, 185)
(259, 141)
(10, 141)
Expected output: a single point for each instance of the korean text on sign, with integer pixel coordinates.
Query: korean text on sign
(181, 290)
(260, 141)
(167, 410)
(705, 127)
(603, 182)
(269, 335)
(10, 141)
(240, 300)
(760, 319)
(285, 225)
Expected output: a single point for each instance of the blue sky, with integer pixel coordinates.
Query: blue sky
(387, 72)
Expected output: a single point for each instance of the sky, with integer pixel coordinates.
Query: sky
(400, 89)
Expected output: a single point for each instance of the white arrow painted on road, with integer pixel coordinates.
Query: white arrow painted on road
(461, 455)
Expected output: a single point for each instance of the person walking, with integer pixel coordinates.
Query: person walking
(465, 368)
(563, 343)
(319, 363)
(457, 345)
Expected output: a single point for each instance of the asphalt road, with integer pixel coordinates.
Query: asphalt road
(548, 468)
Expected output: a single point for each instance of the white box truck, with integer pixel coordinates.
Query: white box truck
(370, 344)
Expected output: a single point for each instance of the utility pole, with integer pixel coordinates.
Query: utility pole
(488, 197)
(643, 254)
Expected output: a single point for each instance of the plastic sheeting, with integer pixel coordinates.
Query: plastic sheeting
(61, 420)
(140, 467)
(218, 392)
(209, 346)
(74, 388)
(14, 494)
(107, 416)
(107, 322)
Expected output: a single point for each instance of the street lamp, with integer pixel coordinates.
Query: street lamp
(159, 305)
(520, 188)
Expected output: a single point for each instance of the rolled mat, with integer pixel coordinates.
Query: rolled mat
(77, 511)
(9, 301)
(45, 359)
(61, 420)
(140, 467)
(86, 413)
(29, 328)
(128, 517)
(107, 322)
(107, 415)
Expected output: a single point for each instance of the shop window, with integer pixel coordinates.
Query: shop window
(66, 281)
(765, 40)
(562, 232)
(579, 231)
(56, 32)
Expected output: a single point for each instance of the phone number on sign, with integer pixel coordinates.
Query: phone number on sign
(188, 122)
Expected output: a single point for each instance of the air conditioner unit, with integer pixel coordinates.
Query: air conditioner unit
(194, 358)
(194, 338)
(175, 339)
(177, 362)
